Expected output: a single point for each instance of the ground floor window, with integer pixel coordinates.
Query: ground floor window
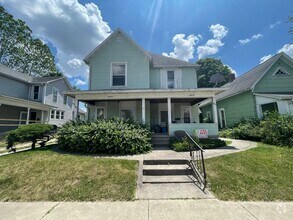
(269, 107)
(101, 112)
(55, 114)
(52, 114)
(127, 114)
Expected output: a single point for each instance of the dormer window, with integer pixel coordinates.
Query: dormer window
(281, 72)
(118, 73)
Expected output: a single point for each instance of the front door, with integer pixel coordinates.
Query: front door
(185, 114)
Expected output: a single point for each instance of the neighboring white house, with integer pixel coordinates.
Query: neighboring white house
(25, 99)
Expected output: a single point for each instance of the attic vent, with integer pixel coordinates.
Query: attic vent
(119, 37)
(280, 72)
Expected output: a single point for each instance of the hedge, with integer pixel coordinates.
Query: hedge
(113, 136)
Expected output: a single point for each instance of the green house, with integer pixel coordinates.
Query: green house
(127, 81)
(266, 87)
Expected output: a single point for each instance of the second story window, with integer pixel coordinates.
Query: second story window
(171, 79)
(65, 99)
(55, 94)
(118, 74)
(36, 92)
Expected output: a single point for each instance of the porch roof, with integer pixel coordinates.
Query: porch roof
(89, 95)
(12, 101)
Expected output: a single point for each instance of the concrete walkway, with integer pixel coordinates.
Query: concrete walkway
(148, 210)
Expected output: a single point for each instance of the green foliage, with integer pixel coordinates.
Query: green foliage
(207, 68)
(277, 129)
(273, 129)
(180, 146)
(114, 136)
(21, 51)
(26, 133)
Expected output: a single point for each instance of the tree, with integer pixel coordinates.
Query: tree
(20, 51)
(209, 67)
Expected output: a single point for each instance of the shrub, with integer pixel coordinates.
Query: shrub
(26, 133)
(180, 146)
(114, 136)
(277, 129)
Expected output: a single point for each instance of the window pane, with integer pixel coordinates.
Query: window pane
(127, 114)
(36, 92)
(57, 114)
(62, 115)
(118, 80)
(100, 113)
(52, 114)
(171, 81)
(118, 69)
(65, 100)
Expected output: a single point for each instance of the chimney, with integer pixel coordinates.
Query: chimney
(231, 77)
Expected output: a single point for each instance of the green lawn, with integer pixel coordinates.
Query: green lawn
(263, 173)
(46, 175)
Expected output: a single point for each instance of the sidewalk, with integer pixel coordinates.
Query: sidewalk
(148, 209)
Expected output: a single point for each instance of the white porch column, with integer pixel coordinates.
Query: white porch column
(77, 108)
(28, 115)
(215, 115)
(169, 111)
(42, 117)
(143, 110)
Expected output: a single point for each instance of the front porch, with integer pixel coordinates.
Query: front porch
(164, 111)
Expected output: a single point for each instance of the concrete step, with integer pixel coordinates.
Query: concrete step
(167, 172)
(166, 162)
(168, 179)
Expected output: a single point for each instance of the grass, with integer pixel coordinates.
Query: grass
(46, 175)
(260, 174)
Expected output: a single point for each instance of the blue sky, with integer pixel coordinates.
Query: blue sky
(239, 32)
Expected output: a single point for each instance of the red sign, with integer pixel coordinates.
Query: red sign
(203, 133)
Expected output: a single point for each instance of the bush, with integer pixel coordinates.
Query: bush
(277, 129)
(273, 129)
(26, 133)
(180, 146)
(245, 130)
(114, 136)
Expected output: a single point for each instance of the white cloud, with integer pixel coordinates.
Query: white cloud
(74, 63)
(232, 70)
(212, 46)
(274, 24)
(287, 48)
(183, 47)
(79, 82)
(264, 58)
(219, 30)
(72, 28)
(253, 37)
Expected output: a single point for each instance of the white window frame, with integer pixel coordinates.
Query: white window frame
(57, 90)
(62, 115)
(286, 73)
(34, 92)
(182, 113)
(221, 124)
(65, 97)
(54, 114)
(101, 107)
(174, 74)
(111, 74)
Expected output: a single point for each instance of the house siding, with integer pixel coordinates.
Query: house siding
(119, 51)
(236, 107)
(276, 84)
(10, 87)
(68, 108)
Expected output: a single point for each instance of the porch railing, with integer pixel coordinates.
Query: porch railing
(196, 157)
(5, 122)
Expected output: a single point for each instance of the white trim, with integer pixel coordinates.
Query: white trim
(20, 118)
(280, 68)
(56, 89)
(221, 124)
(143, 116)
(182, 113)
(111, 74)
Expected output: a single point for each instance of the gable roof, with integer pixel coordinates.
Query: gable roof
(156, 59)
(163, 61)
(16, 75)
(248, 80)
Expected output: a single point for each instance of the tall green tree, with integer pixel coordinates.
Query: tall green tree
(208, 67)
(20, 51)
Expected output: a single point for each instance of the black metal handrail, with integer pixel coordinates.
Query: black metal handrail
(196, 157)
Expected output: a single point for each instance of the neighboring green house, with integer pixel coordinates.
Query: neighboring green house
(267, 87)
(128, 82)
